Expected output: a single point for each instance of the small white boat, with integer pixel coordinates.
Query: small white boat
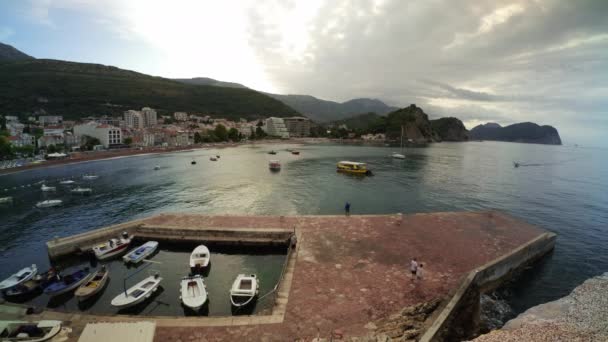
(200, 257)
(81, 191)
(90, 177)
(29, 331)
(244, 289)
(20, 277)
(112, 247)
(94, 285)
(45, 188)
(67, 182)
(193, 292)
(6, 199)
(138, 293)
(398, 156)
(140, 253)
(49, 203)
(274, 165)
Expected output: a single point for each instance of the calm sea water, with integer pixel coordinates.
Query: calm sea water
(562, 189)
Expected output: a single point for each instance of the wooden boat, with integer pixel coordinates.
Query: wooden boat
(200, 257)
(138, 293)
(112, 247)
(20, 277)
(94, 285)
(49, 203)
(244, 290)
(353, 167)
(274, 165)
(138, 254)
(45, 188)
(23, 331)
(81, 191)
(193, 292)
(67, 283)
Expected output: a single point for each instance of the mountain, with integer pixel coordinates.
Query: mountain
(525, 132)
(209, 81)
(450, 129)
(369, 122)
(9, 53)
(325, 111)
(77, 90)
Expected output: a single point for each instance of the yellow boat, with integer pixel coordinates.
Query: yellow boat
(353, 167)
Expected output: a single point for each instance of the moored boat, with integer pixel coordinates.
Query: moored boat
(398, 156)
(137, 293)
(353, 167)
(67, 283)
(36, 283)
(200, 257)
(23, 331)
(193, 292)
(20, 277)
(274, 165)
(244, 290)
(81, 191)
(90, 177)
(193, 162)
(8, 199)
(272, 152)
(94, 285)
(112, 247)
(213, 158)
(295, 152)
(45, 188)
(67, 182)
(49, 203)
(139, 253)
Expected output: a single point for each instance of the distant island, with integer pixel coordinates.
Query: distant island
(525, 132)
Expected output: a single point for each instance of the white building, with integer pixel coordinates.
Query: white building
(134, 119)
(22, 140)
(50, 119)
(275, 127)
(180, 116)
(106, 134)
(53, 130)
(149, 116)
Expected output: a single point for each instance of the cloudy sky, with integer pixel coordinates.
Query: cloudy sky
(503, 61)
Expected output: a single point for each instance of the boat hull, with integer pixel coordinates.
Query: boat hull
(244, 290)
(59, 287)
(138, 254)
(103, 254)
(85, 292)
(133, 297)
(19, 277)
(193, 292)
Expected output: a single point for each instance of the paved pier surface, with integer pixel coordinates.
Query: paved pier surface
(350, 271)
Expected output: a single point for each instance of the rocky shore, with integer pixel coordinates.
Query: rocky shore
(580, 316)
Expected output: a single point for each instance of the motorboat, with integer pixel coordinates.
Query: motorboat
(49, 203)
(140, 253)
(45, 188)
(193, 162)
(22, 331)
(213, 158)
(20, 277)
(272, 152)
(295, 152)
(67, 182)
(157, 167)
(112, 247)
(90, 177)
(244, 289)
(353, 167)
(67, 283)
(137, 293)
(274, 165)
(397, 156)
(200, 257)
(81, 191)
(193, 292)
(94, 285)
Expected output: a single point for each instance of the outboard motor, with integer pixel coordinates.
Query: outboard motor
(125, 235)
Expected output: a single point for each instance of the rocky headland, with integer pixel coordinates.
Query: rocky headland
(525, 132)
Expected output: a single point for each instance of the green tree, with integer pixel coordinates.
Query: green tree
(90, 142)
(27, 150)
(6, 151)
(2, 123)
(221, 132)
(233, 134)
(198, 138)
(52, 149)
(128, 141)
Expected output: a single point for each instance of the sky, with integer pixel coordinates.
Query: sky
(507, 61)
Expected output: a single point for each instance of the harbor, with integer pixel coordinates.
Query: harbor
(344, 275)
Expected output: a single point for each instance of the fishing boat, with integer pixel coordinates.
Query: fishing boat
(138, 293)
(67, 182)
(244, 289)
(295, 152)
(200, 257)
(272, 152)
(112, 247)
(213, 158)
(81, 191)
(67, 283)
(90, 177)
(193, 292)
(20, 277)
(140, 253)
(45, 188)
(396, 155)
(353, 167)
(274, 165)
(49, 203)
(94, 285)
(23, 331)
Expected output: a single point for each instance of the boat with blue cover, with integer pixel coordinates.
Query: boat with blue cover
(140, 253)
(67, 283)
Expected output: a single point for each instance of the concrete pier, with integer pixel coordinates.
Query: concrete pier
(347, 275)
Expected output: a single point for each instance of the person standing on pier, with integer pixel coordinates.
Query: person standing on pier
(413, 267)
(419, 272)
(347, 209)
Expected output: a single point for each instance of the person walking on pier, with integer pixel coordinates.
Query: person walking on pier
(347, 209)
(413, 267)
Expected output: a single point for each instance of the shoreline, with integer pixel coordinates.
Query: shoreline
(84, 157)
